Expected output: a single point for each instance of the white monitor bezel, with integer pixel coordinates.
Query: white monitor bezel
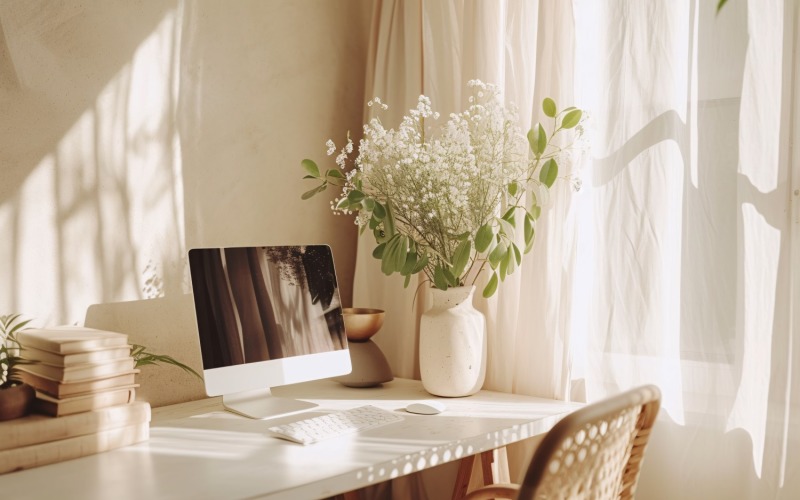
(246, 387)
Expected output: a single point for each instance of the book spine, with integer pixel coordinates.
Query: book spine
(66, 449)
(37, 429)
(99, 400)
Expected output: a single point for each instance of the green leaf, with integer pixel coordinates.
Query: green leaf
(491, 286)
(498, 253)
(720, 5)
(310, 177)
(461, 257)
(549, 107)
(390, 255)
(410, 263)
(504, 266)
(463, 236)
(509, 215)
(549, 172)
(373, 222)
(537, 139)
(571, 119)
(378, 252)
(368, 204)
(336, 174)
(513, 188)
(483, 238)
(311, 192)
(536, 211)
(355, 196)
(528, 225)
(407, 281)
(439, 279)
(388, 220)
(517, 253)
(310, 167)
(343, 204)
(450, 277)
(401, 252)
(420, 264)
(379, 212)
(506, 228)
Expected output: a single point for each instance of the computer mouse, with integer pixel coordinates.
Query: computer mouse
(431, 407)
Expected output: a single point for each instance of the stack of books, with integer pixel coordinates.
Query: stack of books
(85, 396)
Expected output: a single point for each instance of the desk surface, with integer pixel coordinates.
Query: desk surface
(197, 450)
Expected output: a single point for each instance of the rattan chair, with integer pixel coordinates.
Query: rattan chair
(593, 453)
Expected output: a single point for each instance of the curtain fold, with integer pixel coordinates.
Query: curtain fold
(677, 262)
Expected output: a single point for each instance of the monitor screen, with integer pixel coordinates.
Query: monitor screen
(267, 316)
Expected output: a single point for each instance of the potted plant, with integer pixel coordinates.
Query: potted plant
(452, 202)
(15, 396)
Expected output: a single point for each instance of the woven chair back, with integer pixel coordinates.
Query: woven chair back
(595, 452)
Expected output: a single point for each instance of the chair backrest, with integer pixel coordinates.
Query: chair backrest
(595, 452)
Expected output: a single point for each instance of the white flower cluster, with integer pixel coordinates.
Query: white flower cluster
(442, 181)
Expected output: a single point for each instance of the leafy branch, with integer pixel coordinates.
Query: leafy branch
(142, 357)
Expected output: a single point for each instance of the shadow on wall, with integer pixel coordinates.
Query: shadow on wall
(91, 185)
(131, 132)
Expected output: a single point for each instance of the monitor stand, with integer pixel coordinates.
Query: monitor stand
(261, 404)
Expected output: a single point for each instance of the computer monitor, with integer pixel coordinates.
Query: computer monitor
(267, 316)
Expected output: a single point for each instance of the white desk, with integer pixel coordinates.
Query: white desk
(198, 451)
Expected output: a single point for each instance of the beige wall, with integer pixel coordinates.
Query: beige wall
(132, 131)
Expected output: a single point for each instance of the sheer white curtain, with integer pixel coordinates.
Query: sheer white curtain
(686, 235)
(678, 263)
(435, 48)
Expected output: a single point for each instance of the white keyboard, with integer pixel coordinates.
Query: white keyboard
(314, 429)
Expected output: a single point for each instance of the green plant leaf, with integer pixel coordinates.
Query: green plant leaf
(491, 286)
(503, 270)
(450, 277)
(506, 228)
(378, 252)
(549, 172)
(439, 279)
(407, 281)
(310, 167)
(720, 5)
(513, 188)
(509, 215)
(379, 212)
(537, 139)
(311, 192)
(401, 252)
(410, 263)
(461, 257)
(336, 174)
(483, 238)
(529, 232)
(549, 107)
(141, 358)
(535, 212)
(517, 253)
(571, 119)
(343, 204)
(368, 204)
(388, 220)
(355, 196)
(421, 263)
(389, 256)
(497, 254)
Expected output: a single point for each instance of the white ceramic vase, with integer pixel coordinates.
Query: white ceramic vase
(452, 344)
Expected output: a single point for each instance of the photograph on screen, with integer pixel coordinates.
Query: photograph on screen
(263, 303)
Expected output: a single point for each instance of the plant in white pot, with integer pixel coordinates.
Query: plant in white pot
(452, 202)
(15, 396)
